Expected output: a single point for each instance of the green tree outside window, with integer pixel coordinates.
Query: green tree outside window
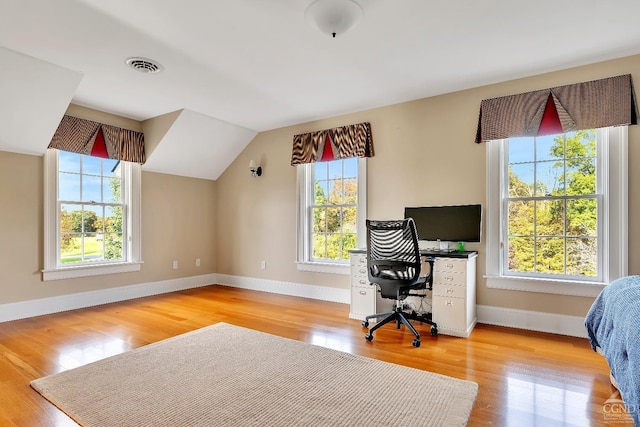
(552, 204)
(334, 228)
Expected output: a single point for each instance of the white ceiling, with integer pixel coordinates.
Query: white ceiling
(238, 67)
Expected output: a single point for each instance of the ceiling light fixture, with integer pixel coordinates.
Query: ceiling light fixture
(144, 65)
(334, 17)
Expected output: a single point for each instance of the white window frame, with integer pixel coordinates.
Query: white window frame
(305, 197)
(612, 172)
(131, 192)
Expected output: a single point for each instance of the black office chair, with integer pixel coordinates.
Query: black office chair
(394, 265)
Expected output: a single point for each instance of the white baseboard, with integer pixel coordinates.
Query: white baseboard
(532, 320)
(500, 316)
(323, 293)
(521, 319)
(39, 307)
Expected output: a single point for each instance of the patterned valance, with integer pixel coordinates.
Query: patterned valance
(595, 104)
(332, 144)
(98, 139)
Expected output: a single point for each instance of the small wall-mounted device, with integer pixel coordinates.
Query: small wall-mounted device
(255, 169)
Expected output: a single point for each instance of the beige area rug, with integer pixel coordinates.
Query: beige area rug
(225, 375)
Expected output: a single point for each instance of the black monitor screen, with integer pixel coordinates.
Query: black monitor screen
(447, 223)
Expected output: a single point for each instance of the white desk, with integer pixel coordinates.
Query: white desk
(453, 298)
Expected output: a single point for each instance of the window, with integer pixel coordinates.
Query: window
(556, 214)
(92, 219)
(331, 217)
(551, 213)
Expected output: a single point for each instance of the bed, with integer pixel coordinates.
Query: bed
(613, 327)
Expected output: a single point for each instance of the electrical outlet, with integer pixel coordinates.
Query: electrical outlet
(263, 265)
(175, 265)
(197, 262)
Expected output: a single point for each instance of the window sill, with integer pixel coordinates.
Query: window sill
(330, 268)
(89, 270)
(559, 287)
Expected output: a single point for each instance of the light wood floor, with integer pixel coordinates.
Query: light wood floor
(525, 378)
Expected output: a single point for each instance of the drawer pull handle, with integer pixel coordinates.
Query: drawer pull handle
(449, 278)
(449, 290)
(449, 303)
(363, 260)
(363, 292)
(362, 271)
(363, 282)
(449, 265)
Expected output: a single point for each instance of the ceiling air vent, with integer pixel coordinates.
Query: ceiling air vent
(144, 65)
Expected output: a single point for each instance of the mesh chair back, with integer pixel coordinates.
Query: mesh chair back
(393, 255)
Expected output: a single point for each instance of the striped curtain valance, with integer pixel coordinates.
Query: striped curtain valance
(333, 144)
(595, 104)
(98, 139)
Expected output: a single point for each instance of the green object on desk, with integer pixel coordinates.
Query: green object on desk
(460, 247)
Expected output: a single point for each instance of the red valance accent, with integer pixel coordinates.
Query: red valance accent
(550, 123)
(595, 104)
(99, 147)
(327, 154)
(332, 144)
(88, 137)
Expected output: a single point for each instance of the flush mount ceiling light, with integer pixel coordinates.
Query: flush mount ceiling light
(334, 17)
(144, 65)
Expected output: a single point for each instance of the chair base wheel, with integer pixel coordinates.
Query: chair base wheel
(416, 343)
(365, 323)
(434, 331)
(368, 337)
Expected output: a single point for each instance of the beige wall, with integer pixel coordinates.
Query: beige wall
(177, 224)
(424, 155)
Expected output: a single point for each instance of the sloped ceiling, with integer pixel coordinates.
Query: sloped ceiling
(191, 135)
(34, 95)
(238, 67)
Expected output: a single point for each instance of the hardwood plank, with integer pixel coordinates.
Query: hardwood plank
(525, 378)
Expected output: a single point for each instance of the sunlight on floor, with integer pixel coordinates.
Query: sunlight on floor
(73, 356)
(330, 341)
(60, 419)
(534, 400)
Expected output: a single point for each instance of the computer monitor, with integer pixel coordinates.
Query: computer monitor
(461, 223)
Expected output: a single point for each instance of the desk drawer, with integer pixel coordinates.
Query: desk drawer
(358, 260)
(449, 278)
(359, 270)
(450, 265)
(363, 301)
(450, 313)
(449, 291)
(360, 281)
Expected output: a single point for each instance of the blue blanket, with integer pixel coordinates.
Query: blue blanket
(613, 324)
